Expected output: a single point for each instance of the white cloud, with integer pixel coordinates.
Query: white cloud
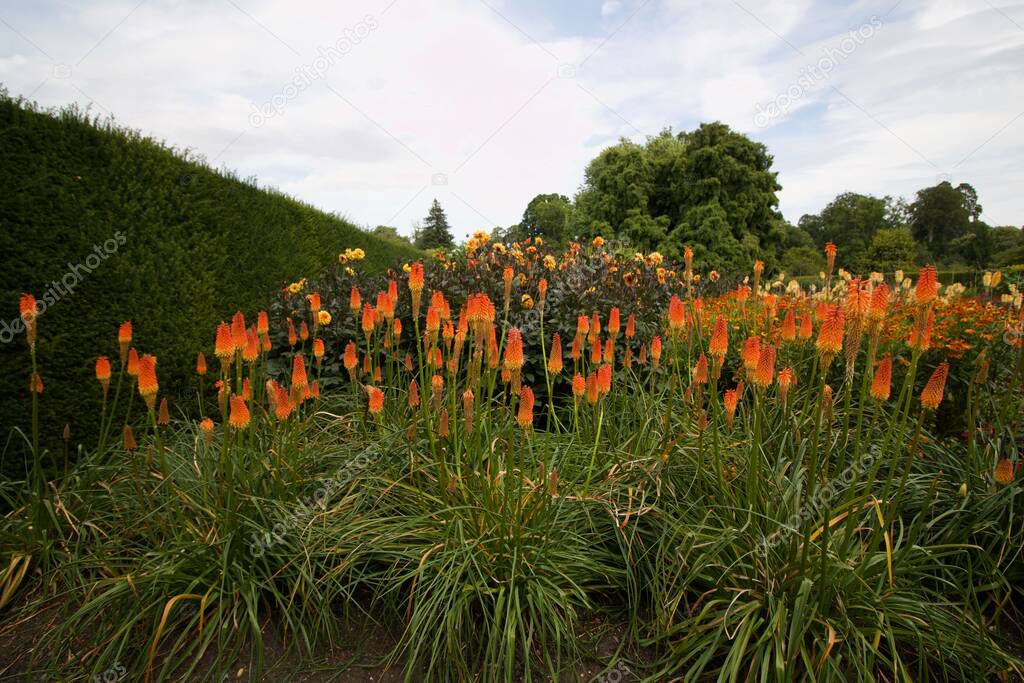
(453, 87)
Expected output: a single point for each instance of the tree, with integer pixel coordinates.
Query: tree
(435, 232)
(1006, 238)
(849, 221)
(389, 233)
(939, 215)
(546, 216)
(891, 249)
(974, 247)
(802, 261)
(970, 196)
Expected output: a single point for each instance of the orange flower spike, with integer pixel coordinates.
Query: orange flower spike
(507, 275)
(789, 326)
(416, 283)
(467, 409)
(582, 326)
(765, 372)
(927, 286)
(921, 336)
(881, 384)
(595, 350)
(595, 325)
(396, 329)
(542, 291)
(719, 344)
(700, 371)
(124, 338)
(376, 400)
(436, 390)
(786, 379)
(299, 378)
(28, 308)
(201, 364)
(614, 322)
(631, 326)
(609, 350)
(148, 385)
(604, 379)
(314, 389)
(751, 353)
(393, 294)
(830, 336)
(355, 301)
(103, 372)
(239, 417)
(514, 350)
(676, 316)
(238, 331)
(314, 302)
(262, 323)
(164, 418)
(206, 427)
(133, 363)
(730, 399)
(369, 320)
(128, 439)
(806, 327)
(656, 350)
(252, 346)
(555, 357)
(224, 348)
(303, 331)
(879, 303)
(1003, 474)
(579, 386)
(433, 320)
(576, 350)
(414, 394)
(351, 359)
(830, 255)
(593, 390)
(282, 403)
(931, 395)
(318, 349)
(35, 384)
(525, 416)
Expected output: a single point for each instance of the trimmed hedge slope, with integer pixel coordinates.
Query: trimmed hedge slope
(105, 225)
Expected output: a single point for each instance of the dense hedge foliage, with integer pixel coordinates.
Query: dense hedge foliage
(104, 225)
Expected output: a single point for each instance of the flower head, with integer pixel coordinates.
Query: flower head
(881, 384)
(148, 386)
(376, 400)
(931, 395)
(555, 357)
(525, 416)
(719, 344)
(103, 372)
(927, 285)
(1004, 472)
(239, 418)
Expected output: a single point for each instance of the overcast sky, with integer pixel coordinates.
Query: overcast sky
(374, 108)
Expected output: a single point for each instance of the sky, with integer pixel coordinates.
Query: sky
(373, 108)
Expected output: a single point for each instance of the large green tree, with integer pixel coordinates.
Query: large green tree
(850, 221)
(939, 215)
(712, 188)
(435, 232)
(546, 216)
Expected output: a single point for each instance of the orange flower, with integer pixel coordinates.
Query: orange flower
(414, 394)
(582, 326)
(35, 384)
(595, 349)
(282, 403)
(830, 336)
(751, 353)
(730, 399)
(806, 327)
(656, 350)
(879, 303)
(148, 386)
(376, 400)
(201, 364)
(165, 414)
(858, 300)
(351, 359)
(525, 416)
(103, 372)
(542, 290)
(442, 425)
(765, 371)
(593, 390)
(719, 344)
(507, 274)
(238, 331)
(385, 306)
(251, 351)
(514, 350)
(555, 358)
(225, 345)
(927, 285)
(416, 278)
(303, 331)
(299, 379)
(262, 323)
(433, 320)
(124, 338)
(314, 388)
(881, 385)
(789, 326)
(239, 418)
(318, 349)
(28, 308)
(293, 337)
(595, 325)
(314, 302)
(354, 300)
(931, 395)
(206, 427)
(830, 253)
(630, 326)
(613, 322)
(133, 363)
(787, 379)
(579, 385)
(700, 371)
(676, 316)
(467, 409)
(921, 336)
(1004, 472)
(369, 319)
(128, 439)
(436, 390)
(604, 378)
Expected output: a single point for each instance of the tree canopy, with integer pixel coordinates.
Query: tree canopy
(435, 232)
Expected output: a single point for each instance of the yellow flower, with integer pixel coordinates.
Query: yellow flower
(527, 301)
(295, 287)
(323, 317)
(655, 258)
(598, 242)
(549, 262)
(406, 267)
(350, 272)
(342, 258)
(538, 241)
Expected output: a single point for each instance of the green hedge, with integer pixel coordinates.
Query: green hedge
(176, 247)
